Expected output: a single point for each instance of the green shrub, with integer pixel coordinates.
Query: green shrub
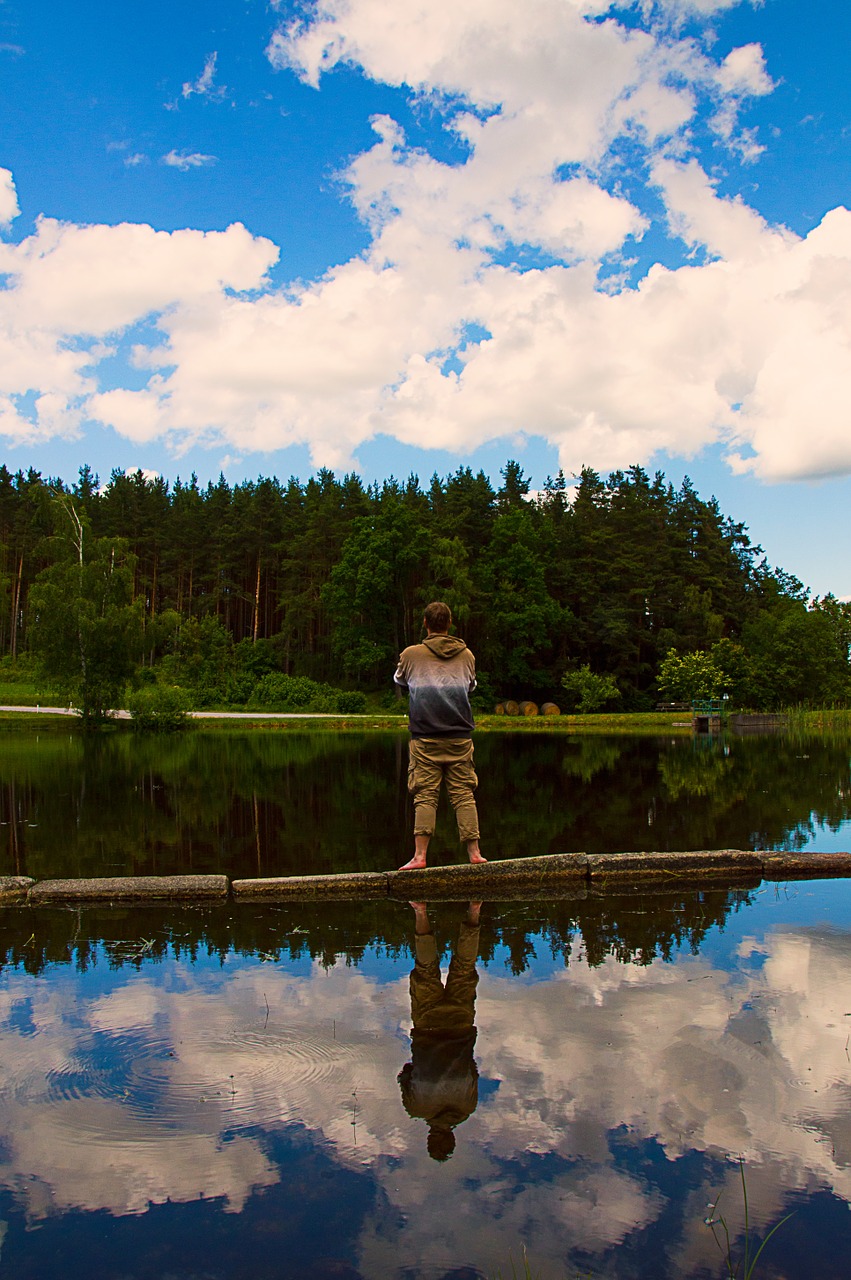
(293, 693)
(396, 703)
(158, 709)
(483, 696)
(587, 692)
(352, 703)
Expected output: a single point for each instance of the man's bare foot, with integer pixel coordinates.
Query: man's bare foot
(473, 912)
(474, 853)
(420, 853)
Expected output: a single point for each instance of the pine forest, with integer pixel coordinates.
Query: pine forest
(604, 594)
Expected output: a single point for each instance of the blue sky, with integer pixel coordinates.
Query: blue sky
(262, 238)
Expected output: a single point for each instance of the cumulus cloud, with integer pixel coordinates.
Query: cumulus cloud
(743, 72)
(610, 368)
(9, 209)
(93, 282)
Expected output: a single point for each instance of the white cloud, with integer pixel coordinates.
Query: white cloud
(87, 283)
(743, 72)
(609, 371)
(741, 75)
(94, 280)
(204, 85)
(9, 209)
(184, 160)
(131, 159)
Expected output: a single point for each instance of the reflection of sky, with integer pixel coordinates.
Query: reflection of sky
(610, 1100)
(820, 836)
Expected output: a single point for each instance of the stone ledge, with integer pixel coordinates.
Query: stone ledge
(696, 864)
(805, 866)
(463, 880)
(356, 884)
(131, 889)
(557, 875)
(13, 888)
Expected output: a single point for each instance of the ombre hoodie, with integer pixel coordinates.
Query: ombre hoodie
(439, 675)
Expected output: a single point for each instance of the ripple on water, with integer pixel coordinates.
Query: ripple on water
(277, 1072)
(127, 1089)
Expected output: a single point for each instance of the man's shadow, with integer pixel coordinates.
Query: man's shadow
(441, 1082)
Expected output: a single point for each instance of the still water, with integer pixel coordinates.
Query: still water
(265, 1091)
(279, 803)
(237, 1092)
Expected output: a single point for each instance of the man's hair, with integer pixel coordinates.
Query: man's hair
(440, 1143)
(437, 616)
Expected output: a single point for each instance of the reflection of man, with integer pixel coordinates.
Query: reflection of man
(440, 675)
(441, 1082)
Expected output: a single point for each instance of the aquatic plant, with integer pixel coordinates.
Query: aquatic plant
(747, 1263)
(525, 1274)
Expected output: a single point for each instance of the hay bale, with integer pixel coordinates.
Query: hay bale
(550, 709)
(499, 709)
(528, 708)
(511, 708)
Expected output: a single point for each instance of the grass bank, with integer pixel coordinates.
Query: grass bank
(638, 723)
(819, 721)
(822, 720)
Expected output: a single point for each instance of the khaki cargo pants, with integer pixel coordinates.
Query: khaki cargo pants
(450, 760)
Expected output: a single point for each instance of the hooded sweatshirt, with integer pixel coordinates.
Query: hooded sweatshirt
(439, 675)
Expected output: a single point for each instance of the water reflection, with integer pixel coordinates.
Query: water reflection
(441, 1082)
(261, 804)
(192, 1106)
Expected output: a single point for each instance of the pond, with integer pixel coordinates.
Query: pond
(234, 1092)
(264, 1091)
(268, 803)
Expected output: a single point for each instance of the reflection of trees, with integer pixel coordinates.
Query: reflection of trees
(267, 803)
(760, 792)
(699, 772)
(631, 927)
(590, 756)
(252, 804)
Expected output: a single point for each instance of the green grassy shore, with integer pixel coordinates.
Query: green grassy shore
(637, 723)
(382, 723)
(29, 693)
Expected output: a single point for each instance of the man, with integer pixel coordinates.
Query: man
(440, 675)
(441, 1082)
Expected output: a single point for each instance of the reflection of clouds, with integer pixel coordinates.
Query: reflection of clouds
(96, 1113)
(90, 1155)
(209, 1063)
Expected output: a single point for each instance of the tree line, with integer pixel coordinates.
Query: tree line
(616, 591)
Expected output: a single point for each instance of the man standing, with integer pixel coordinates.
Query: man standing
(440, 675)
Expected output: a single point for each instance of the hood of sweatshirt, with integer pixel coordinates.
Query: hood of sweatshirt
(444, 646)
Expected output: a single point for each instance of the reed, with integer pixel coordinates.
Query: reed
(745, 1267)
